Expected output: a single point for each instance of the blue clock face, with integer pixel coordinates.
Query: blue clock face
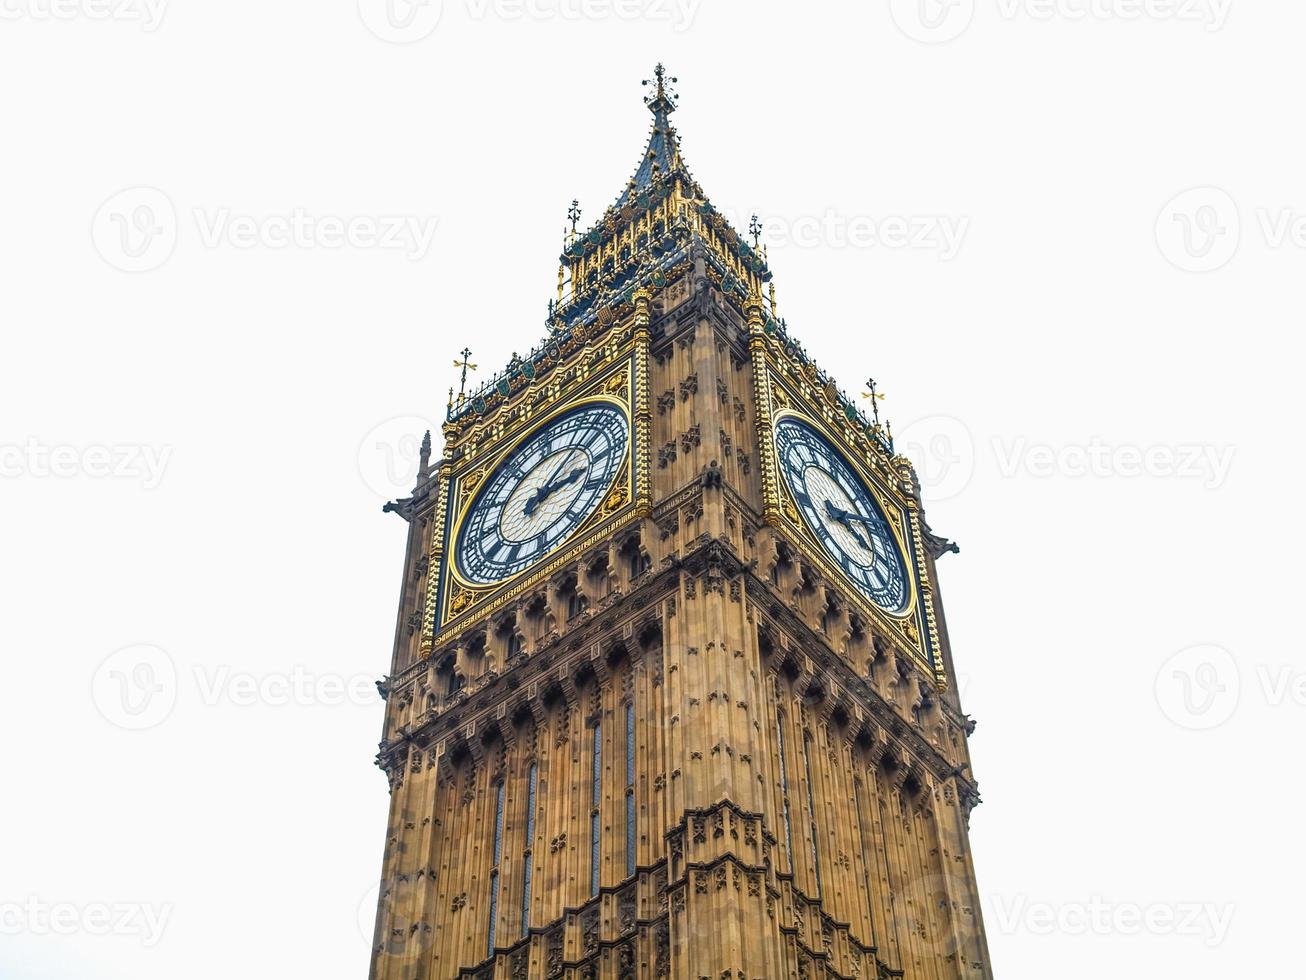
(545, 489)
(842, 513)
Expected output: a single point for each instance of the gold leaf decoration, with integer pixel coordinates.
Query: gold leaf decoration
(462, 601)
(616, 500)
(617, 384)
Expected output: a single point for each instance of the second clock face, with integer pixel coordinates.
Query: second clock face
(542, 493)
(842, 512)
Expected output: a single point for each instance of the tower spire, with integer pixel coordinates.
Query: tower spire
(662, 154)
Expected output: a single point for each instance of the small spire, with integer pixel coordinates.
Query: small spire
(573, 215)
(424, 465)
(450, 408)
(755, 229)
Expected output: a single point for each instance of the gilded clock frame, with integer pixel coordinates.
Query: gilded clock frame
(459, 603)
(790, 394)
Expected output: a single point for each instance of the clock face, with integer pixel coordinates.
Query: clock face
(842, 512)
(541, 493)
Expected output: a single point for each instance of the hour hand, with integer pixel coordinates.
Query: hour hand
(845, 518)
(546, 491)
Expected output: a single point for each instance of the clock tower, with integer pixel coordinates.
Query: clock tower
(671, 691)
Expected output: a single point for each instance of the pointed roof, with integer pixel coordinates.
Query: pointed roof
(662, 155)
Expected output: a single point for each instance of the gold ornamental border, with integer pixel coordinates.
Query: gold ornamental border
(477, 601)
(920, 638)
(905, 553)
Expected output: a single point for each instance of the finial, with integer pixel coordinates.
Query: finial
(875, 398)
(666, 98)
(466, 365)
(424, 465)
(755, 229)
(573, 215)
(449, 413)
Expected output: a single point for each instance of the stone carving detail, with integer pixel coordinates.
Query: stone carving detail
(690, 439)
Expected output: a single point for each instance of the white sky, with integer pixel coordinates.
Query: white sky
(260, 380)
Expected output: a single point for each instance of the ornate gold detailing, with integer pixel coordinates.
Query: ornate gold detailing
(463, 599)
(472, 480)
(762, 394)
(616, 500)
(617, 384)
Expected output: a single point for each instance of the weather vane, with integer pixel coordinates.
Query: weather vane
(665, 92)
(755, 229)
(573, 215)
(466, 365)
(875, 398)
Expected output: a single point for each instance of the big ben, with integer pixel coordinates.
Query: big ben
(671, 693)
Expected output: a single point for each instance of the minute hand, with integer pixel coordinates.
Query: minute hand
(846, 515)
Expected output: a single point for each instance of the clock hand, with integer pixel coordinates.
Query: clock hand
(843, 517)
(553, 486)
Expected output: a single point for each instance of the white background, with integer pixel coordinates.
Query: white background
(1076, 316)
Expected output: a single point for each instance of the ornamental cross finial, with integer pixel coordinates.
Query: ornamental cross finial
(755, 229)
(875, 398)
(466, 365)
(666, 97)
(573, 215)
